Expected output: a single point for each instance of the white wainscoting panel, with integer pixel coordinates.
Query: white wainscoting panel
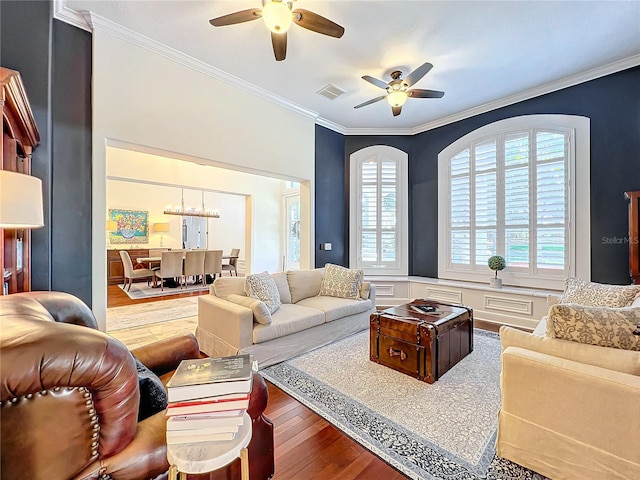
(511, 305)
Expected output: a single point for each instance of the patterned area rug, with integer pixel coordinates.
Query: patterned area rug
(131, 316)
(442, 431)
(141, 290)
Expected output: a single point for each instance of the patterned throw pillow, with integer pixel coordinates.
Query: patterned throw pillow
(341, 282)
(606, 327)
(260, 311)
(263, 287)
(593, 294)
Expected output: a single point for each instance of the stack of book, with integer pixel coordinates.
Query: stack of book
(208, 398)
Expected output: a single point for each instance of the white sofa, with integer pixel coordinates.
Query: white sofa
(569, 410)
(303, 322)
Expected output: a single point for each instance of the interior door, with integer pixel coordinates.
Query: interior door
(292, 234)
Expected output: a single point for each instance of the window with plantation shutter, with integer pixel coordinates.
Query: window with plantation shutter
(510, 189)
(378, 237)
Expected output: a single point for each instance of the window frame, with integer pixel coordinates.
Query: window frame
(577, 229)
(356, 159)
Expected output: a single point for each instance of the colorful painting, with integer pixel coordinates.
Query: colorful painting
(133, 226)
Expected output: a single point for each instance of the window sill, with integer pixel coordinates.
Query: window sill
(507, 289)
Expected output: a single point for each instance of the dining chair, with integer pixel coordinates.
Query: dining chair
(213, 263)
(232, 266)
(129, 273)
(170, 267)
(194, 265)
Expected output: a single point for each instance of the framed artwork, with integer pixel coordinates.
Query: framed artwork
(133, 226)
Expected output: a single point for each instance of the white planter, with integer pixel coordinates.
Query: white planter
(495, 282)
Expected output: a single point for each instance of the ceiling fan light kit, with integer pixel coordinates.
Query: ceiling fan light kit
(278, 16)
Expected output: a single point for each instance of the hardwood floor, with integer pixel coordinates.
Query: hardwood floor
(308, 447)
(117, 298)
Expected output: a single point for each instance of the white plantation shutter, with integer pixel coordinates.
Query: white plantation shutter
(380, 211)
(509, 194)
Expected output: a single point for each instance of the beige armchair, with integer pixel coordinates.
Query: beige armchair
(569, 410)
(130, 274)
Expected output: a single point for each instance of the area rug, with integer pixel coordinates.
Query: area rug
(141, 290)
(131, 316)
(442, 431)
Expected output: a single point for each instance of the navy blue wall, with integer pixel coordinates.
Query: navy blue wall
(54, 61)
(331, 176)
(613, 105)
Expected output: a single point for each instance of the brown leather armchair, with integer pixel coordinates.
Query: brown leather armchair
(69, 397)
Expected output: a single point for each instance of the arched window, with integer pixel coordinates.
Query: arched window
(510, 188)
(378, 214)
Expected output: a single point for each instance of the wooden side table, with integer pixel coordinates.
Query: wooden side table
(207, 457)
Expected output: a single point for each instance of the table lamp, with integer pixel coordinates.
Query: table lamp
(161, 228)
(20, 201)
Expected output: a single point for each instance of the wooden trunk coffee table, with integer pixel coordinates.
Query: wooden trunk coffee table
(423, 345)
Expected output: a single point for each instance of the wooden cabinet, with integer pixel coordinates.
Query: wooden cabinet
(19, 137)
(115, 269)
(634, 235)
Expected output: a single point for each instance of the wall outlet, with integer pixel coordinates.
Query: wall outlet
(325, 246)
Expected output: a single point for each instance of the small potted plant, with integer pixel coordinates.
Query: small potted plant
(496, 263)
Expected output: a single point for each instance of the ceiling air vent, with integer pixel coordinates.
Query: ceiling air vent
(331, 91)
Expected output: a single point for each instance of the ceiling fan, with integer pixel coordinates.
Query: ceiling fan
(398, 88)
(278, 15)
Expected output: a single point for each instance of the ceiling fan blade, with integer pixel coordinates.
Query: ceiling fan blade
(237, 17)
(316, 23)
(375, 81)
(418, 93)
(417, 74)
(279, 41)
(369, 102)
(396, 111)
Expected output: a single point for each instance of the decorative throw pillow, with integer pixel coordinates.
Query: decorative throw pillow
(606, 327)
(260, 311)
(263, 287)
(341, 282)
(592, 294)
(283, 286)
(364, 290)
(153, 396)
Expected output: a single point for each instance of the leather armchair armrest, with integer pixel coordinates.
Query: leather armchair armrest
(165, 355)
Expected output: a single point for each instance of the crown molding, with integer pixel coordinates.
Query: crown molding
(70, 16)
(90, 21)
(94, 22)
(323, 122)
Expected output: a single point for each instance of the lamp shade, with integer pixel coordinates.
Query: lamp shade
(20, 201)
(112, 226)
(161, 227)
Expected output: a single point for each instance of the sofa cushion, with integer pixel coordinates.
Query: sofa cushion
(594, 294)
(624, 361)
(606, 327)
(261, 313)
(225, 286)
(335, 307)
(263, 287)
(287, 320)
(283, 286)
(304, 283)
(341, 282)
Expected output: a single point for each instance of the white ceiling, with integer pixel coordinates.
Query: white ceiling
(485, 53)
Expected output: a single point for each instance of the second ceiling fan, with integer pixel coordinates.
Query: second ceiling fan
(278, 16)
(398, 88)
